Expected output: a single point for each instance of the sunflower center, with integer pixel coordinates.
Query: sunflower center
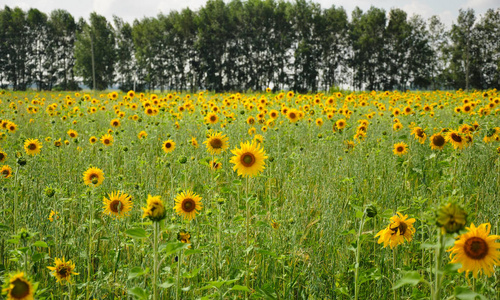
(64, 272)
(2, 156)
(248, 159)
(188, 205)
(116, 206)
(420, 133)
(216, 143)
(20, 290)
(467, 108)
(5, 173)
(476, 248)
(32, 146)
(438, 140)
(455, 137)
(400, 149)
(292, 115)
(402, 228)
(106, 141)
(213, 118)
(72, 134)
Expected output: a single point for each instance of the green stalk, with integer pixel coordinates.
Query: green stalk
(356, 267)
(439, 255)
(89, 260)
(155, 260)
(179, 263)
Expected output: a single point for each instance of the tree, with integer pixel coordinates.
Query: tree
(97, 37)
(126, 63)
(462, 35)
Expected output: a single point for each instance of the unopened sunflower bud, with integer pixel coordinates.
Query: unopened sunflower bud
(451, 218)
(371, 211)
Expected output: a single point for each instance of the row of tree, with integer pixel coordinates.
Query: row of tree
(250, 44)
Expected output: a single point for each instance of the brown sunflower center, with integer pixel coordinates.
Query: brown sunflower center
(72, 134)
(438, 140)
(93, 176)
(402, 228)
(247, 159)
(400, 149)
(63, 271)
(32, 146)
(467, 108)
(20, 290)
(455, 137)
(168, 145)
(292, 115)
(106, 141)
(116, 206)
(476, 248)
(213, 118)
(188, 205)
(420, 133)
(216, 143)
(2, 156)
(5, 173)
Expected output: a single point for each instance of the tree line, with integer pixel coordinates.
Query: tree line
(250, 44)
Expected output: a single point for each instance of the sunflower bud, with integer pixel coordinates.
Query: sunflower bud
(183, 159)
(49, 192)
(451, 218)
(371, 211)
(21, 161)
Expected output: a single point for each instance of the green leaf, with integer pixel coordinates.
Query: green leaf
(136, 272)
(452, 268)
(412, 278)
(174, 247)
(266, 252)
(170, 282)
(464, 293)
(138, 293)
(40, 244)
(237, 287)
(136, 233)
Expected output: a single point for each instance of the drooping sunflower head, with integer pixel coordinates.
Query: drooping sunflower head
(18, 287)
(118, 205)
(437, 141)
(216, 143)
(249, 159)
(476, 250)
(93, 177)
(399, 230)
(451, 218)
(63, 270)
(107, 139)
(155, 209)
(400, 148)
(32, 146)
(455, 139)
(168, 146)
(188, 204)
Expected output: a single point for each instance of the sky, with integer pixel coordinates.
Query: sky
(129, 10)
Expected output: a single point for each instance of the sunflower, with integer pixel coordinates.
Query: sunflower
(216, 143)
(419, 134)
(188, 204)
(400, 229)
(168, 146)
(249, 159)
(18, 288)
(72, 134)
(117, 205)
(194, 142)
(476, 250)
(451, 218)
(400, 149)
(3, 156)
(54, 215)
(63, 270)
(155, 209)
(293, 115)
(211, 118)
(32, 146)
(92, 140)
(437, 141)
(455, 139)
(184, 237)
(340, 124)
(215, 164)
(397, 126)
(107, 139)
(142, 135)
(115, 123)
(319, 122)
(93, 176)
(6, 171)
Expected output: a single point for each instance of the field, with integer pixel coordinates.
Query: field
(159, 196)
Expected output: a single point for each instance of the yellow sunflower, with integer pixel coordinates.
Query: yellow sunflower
(155, 209)
(142, 135)
(3, 156)
(437, 141)
(216, 143)
(6, 171)
(107, 139)
(476, 250)
(455, 139)
(249, 159)
(117, 205)
(32, 146)
(115, 123)
(215, 164)
(400, 148)
(194, 142)
(72, 134)
(63, 270)
(419, 134)
(18, 287)
(93, 176)
(188, 204)
(399, 230)
(293, 115)
(211, 118)
(57, 143)
(340, 124)
(168, 146)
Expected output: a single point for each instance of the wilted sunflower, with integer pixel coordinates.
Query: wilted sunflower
(168, 146)
(107, 139)
(476, 250)
(18, 288)
(72, 134)
(155, 209)
(118, 205)
(437, 141)
(93, 177)
(32, 146)
(399, 230)
(400, 148)
(216, 143)
(63, 270)
(249, 159)
(455, 139)
(3, 156)
(188, 204)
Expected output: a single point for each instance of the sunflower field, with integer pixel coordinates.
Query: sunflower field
(345, 195)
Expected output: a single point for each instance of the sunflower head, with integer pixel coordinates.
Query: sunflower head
(107, 139)
(249, 159)
(168, 146)
(63, 270)
(3, 156)
(437, 141)
(400, 149)
(93, 177)
(216, 143)
(18, 287)
(117, 205)
(188, 204)
(397, 232)
(32, 146)
(155, 209)
(72, 134)
(5, 171)
(451, 218)
(476, 250)
(184, 237)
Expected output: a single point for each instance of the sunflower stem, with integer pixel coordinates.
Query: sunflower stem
(356, 266)
(178, 289)
(247, 225)
(89, 260)
(394, 268)
(155, 259)
(439, 255)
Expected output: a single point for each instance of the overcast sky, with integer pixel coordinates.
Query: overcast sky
(130, 10)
